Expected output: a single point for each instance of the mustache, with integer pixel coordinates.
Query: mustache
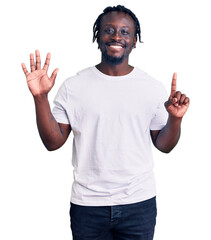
(123, 44)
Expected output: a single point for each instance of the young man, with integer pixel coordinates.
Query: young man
(114, 111)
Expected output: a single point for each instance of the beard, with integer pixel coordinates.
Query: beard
(113, 60)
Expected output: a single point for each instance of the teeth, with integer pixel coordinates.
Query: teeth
(115, 46)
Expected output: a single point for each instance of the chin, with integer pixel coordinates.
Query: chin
(113, 60)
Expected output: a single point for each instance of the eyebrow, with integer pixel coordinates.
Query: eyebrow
(111, 25)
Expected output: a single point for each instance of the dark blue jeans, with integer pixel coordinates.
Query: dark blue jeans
(126, 222)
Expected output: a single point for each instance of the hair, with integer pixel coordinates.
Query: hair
(118, 8)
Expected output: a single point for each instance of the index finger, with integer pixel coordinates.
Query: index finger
(173, 85)
(47, 62)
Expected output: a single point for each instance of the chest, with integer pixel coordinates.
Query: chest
(116, 99)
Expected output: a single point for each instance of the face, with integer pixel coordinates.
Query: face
(116, 37)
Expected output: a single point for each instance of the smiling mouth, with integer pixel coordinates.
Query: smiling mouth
(116, 46)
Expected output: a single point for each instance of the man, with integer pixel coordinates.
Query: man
(114, 111)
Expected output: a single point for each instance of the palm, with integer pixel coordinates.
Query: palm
(38, 81)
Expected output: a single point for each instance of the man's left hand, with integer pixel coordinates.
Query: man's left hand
(178, 103)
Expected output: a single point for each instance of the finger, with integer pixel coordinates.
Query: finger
(173, 85)
(32, 65)
(24, 69)
(53, 75)
(170, 102)
(38, 61)
(47, 62)
(178, 96)
(182, 99)
(174, 101)
(187, 101)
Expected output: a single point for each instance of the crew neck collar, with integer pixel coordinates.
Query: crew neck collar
(105, 76)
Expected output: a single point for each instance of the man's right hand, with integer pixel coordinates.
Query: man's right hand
(38, 81)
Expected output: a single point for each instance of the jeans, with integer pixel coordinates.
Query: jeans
(126, 222)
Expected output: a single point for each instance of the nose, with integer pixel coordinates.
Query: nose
(116, 36)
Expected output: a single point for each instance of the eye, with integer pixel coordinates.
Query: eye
(124, 32)
(109, 30)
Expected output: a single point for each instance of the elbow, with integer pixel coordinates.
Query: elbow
(164, 149)
(51, 147)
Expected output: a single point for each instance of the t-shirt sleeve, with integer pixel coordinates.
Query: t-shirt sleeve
(60, 103)
(160, 114)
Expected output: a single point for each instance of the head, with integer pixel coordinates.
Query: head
(116, 31)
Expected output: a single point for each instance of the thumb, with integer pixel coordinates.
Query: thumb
(171, 101)
(53, 75)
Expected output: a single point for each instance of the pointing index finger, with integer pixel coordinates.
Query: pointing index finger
(173, 85)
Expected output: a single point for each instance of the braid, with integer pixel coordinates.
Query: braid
(119, 8)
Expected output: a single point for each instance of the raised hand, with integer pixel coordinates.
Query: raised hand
(178, 103)
(38, 81)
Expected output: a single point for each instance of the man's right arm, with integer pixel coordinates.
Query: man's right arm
(53, 134)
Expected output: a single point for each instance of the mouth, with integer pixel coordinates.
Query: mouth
(115, 45)
(115, 48)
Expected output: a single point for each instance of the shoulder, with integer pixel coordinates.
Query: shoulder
(155, 86)
(144, 76)
(76, 82)
(85, 71)
(80, 75)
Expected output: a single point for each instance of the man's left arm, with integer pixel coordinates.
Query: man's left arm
(166, 139)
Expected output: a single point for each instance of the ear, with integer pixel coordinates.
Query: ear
(97, 40)
(134, 42)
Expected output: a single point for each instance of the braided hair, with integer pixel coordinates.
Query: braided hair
(118, 8)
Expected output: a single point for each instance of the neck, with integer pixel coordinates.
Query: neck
(114, 70)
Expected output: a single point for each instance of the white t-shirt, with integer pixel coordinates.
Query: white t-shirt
(111, 118)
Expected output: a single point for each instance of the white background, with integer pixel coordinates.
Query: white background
(35, 184)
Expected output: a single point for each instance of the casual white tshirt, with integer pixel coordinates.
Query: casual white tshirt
(111, 118)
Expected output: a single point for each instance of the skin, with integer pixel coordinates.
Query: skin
(116, 38)
(177, 105)
(53, 134)
(116, 28)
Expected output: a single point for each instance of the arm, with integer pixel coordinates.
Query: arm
(166, 139)
(53, 134)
